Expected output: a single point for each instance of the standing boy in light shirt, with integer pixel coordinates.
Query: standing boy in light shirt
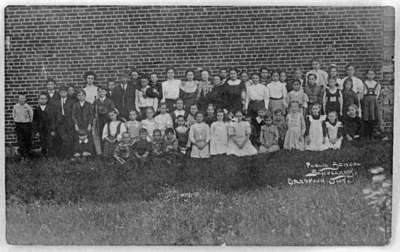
(23, 115)
(90, 89)
(322, 76)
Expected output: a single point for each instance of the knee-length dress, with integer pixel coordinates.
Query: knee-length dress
(334, 131)
(332, 101)
(240, 131)
(269, 139)
(294, 138)
(316, 131)
(199, 132)
(219, 138)
(370, 101)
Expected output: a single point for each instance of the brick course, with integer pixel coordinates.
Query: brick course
(67, 41)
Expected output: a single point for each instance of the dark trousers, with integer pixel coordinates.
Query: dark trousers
(370, 128)
(44, 141)
(24, 138)
(65, 143)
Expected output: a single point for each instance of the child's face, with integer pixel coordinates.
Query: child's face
(179, 105)
(255, 79)
(170, 74)
(111, 85)
(81, 97)
(102, 93)
(233, 75)
(21, 99)
(156, 135)
(134, 75)
(50, 85)
(170, 135)
(42, 100)
(315, 110)
(332, 83)
(124, 79)
(275, 76)
(204, 76)
(352, 112)
(332, 117)
(311, 79)
(132, 115)
(350, 71)
(190, 76)
(370, 75)
(268, 121)
(199, 118)
(217, 80)
(63, 93)
(220, 116)
(180, 121)
(261, 113)
(71, 91)
(144, 83)
(264, 74)
(143, 135)
(283, 77)
(278, 116)
(90, 79)
(298, 74)
(154, 78)
(333, 72)
(163, 109)
(244, 77)
(223, 74)
(112, 116)
(296, 86)
(294, 107)
(239, 116)
(348, 85)
(210, 110)
(193, 110)
(149, 114)
(126, 138)
(316, 65)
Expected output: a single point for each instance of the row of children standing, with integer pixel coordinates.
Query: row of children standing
(100, 115)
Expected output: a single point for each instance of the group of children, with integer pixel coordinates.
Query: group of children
(231, 113)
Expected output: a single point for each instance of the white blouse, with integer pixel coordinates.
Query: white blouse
(170, 89)
(113, 129)
(257, 92)
(91, 93)
(277, 89)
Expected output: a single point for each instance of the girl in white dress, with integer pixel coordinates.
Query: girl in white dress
(334, 130)
(219, 135)
(199, 137)
(316, 139)
(294, 138)
(149, 123)
(238, 137)
(163, 120)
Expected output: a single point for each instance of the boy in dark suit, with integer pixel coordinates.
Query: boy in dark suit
(64, 125)
(82, 113)
(52, 95)
(44, 124)
(124, 97)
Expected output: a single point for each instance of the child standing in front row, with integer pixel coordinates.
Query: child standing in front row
(297, 94)
(112, 133)
(352, 124)
(334, 130)
(122, 152)
(349, 96)
(163, 120)
(199, 137)
(133, 125)
(219, 135)
(280, 122)
(239, 143)
(269, 136)
(294, 139)
(332, 98)
(182, 134)
(316, 130)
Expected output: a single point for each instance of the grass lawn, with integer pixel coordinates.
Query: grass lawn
(188, 202)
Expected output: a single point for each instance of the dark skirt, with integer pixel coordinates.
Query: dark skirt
(370, 108)
(254, 107)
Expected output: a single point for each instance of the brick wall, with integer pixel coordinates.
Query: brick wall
(64, 42)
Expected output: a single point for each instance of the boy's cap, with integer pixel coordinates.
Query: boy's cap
(104, 87)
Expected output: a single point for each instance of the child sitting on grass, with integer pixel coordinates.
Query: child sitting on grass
(316, 130)
(182, 134)
(256, 124)
(352, 124)
(199, 137)
(280, 122)
(149, 123)
(171, 142)
(122, 152)
(83, 147)
(334, 131)
(142, 148)
(112, 134)
(158, 143)
(239, 143)
(294, 139)
(269, 136)
(219, 135)
(133, 125)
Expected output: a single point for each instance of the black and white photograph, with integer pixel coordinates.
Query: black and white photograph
(181, 125)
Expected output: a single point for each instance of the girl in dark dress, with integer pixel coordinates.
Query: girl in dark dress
(216, 93)
(332, 98)
(233, 92)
